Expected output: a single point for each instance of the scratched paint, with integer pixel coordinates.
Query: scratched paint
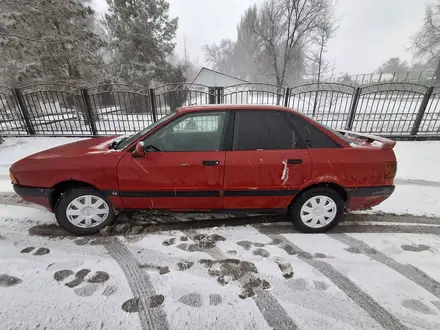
(285, 174)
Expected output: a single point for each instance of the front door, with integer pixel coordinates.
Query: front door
(267, 164)
(183, 168)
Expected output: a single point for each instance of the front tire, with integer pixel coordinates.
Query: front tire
(84, 211)
(317, 210)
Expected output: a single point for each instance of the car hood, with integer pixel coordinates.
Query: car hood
(75, 149)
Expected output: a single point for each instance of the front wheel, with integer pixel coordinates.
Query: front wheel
(84, 211)
(317, 210)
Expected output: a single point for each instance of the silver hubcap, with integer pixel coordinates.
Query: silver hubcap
(318, 211)
(87, 211)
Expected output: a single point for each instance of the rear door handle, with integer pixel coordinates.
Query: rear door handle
(210, 162)
(294, 161)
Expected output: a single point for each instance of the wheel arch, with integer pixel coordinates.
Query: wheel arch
(63, 186)
(334, 186)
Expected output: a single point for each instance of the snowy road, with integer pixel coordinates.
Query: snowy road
(371, 272)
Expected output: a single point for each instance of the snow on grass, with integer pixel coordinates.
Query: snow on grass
(412, 199)
(13, 148)
(418, 160)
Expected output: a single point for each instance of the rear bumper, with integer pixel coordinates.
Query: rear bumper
(366, 197)
(36, 195)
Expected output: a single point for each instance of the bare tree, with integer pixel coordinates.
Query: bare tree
(325, 31)
(221, 56)
(246, 53)
(426, 43)
(285, 28)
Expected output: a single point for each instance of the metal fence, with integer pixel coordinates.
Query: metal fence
(400, 110)
(420, 77)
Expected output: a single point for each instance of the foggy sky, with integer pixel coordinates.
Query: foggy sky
(370, 32)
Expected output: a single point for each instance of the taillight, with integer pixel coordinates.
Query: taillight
(390, 170)
(13, 179)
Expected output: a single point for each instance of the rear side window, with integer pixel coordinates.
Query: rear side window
(313, 137)
(266, 130)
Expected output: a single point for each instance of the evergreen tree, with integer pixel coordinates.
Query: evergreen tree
(141, 35)
(49, 39)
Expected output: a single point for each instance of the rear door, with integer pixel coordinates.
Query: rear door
(183, 169)
(267, 164)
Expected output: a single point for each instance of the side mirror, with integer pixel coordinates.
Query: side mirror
(139, 151)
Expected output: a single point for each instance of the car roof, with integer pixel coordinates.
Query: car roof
(228, 107)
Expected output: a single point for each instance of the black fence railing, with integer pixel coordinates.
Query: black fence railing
(401, 110)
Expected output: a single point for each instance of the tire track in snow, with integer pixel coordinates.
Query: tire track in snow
(140, 285)
(274, 314)
(416, 182)
(362, 299)
(410, 272)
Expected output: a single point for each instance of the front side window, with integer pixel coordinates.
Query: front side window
(266, 130)
(191, 132)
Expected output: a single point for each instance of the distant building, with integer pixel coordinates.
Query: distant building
(214, 78)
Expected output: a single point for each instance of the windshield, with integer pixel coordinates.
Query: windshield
(126, 142)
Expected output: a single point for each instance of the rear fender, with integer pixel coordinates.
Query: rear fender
(329, 181)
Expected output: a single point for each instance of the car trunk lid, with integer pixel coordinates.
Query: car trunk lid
(364, 140)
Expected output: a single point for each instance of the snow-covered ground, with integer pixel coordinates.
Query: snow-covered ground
(244, 277)
(372, 272)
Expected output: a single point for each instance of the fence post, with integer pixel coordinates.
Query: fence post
(211, 94)
(153, 104)
(24, 111)
(380, 77)
(220, 92)
(88, 108)
(353, 108)
(422, 110)
(286, 97)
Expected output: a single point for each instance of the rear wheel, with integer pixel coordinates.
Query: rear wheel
(84, 211)
(317, 210)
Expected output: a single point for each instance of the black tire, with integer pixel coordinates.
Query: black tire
(307, 195)
(69, 196)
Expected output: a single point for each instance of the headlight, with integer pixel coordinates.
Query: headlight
(13, 179)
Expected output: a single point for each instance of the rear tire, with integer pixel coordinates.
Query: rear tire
(84, 211)
(317, 210)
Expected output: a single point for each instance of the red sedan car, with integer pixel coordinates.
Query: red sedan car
(220, 158)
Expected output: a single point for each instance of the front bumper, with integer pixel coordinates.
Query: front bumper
(366, 197)
(36, 195)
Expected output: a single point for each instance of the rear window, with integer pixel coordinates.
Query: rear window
(313, 137)
(335, 132)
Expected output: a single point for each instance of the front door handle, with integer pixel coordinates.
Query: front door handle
(210, 162)
(294, 161)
